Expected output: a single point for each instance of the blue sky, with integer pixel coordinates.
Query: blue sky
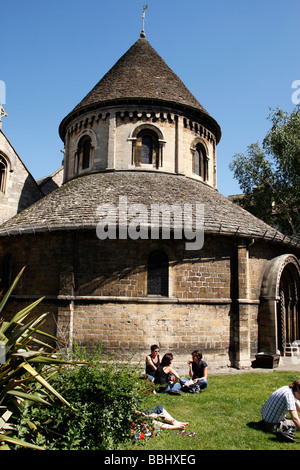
(239, 58)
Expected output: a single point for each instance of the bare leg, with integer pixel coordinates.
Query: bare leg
(175, 425)
(169, 421)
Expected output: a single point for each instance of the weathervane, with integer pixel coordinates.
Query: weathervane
(143, 35)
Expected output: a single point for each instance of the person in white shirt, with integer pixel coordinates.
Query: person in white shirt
(282, 401)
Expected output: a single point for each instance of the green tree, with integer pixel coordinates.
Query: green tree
(270, 177)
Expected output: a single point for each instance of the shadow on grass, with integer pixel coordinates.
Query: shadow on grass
(257, 425)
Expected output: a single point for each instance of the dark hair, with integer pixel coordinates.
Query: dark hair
(197, 353)
(166, 360)
(154, 346)
(295, 386)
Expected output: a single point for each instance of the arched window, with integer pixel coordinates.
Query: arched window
(3, 174)
(84, 152)
(201, 162)
(147, 148)
(158, 274)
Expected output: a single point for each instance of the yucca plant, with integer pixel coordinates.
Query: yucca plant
(26, 366)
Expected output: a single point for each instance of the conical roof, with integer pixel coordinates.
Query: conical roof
(140, 74)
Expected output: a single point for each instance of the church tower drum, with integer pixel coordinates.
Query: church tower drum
(140, 116)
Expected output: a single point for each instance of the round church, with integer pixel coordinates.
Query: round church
(137, 246)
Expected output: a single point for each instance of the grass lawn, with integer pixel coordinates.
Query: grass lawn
(225, 416)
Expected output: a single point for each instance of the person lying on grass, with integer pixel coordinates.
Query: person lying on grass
(160, 412)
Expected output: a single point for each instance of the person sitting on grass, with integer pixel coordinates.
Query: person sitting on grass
(152, 362)
(166, 377)
(283, 400)
(198, 372)
(198, 369)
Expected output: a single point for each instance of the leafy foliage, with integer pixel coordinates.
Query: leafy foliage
(270, 178)
(26, 369)
(103, 395)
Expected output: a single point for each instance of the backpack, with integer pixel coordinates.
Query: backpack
(285, 433)
(193, 388)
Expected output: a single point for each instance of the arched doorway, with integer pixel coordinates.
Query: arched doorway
(288, 327)
(279, 314)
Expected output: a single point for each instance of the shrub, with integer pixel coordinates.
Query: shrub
(103, 396)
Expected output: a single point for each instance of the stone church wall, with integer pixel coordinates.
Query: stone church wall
(97, 291)
(21, 190)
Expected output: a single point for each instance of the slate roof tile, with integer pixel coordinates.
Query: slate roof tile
(74, 205)
(140, 74)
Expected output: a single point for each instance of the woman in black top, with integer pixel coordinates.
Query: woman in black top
(198, 369)
(166, 376)
(152, 362)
